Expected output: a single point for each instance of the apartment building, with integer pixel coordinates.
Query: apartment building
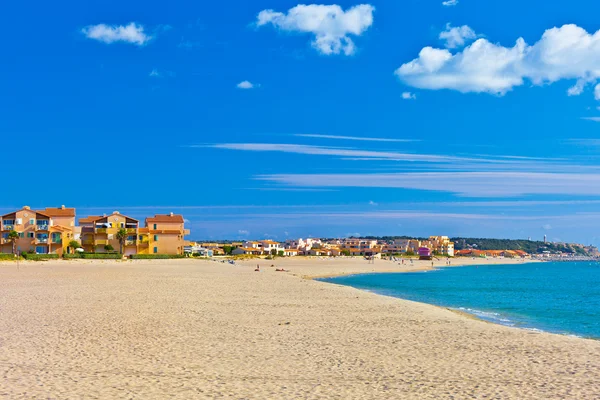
(99, 232)
(442, 245)
(47, 231)
(166, 234)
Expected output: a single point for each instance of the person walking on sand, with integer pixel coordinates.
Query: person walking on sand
(257, 268)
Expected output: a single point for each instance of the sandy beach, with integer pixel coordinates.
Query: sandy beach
(183, 329)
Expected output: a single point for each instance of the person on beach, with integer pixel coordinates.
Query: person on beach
(257, 269)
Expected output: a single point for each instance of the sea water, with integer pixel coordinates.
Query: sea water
(558, 297)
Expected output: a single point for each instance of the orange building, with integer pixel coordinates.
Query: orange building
(46, 231)
(163, 234)
(166, 234)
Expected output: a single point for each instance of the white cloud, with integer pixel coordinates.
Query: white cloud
(595, 119)
(154, 73)
(372, 203)
(568, 52)
(597, 92)
(330, 24)
(340, 152)
(547, 227)
(243, 232)
(409, 96)
(131, 33)
(246, 85)
(457, 36)
(365, 139)
(450, 3)
(473, 184)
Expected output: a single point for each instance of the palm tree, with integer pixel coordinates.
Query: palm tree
(121, 237)
(13, 236)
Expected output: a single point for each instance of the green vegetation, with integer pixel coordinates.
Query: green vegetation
(12, 237)
(7, 257)
(345, 252)
(121, 237)
(109, 247)
(154, 256)
(94, 256)
(228, 249)
(529, 246)
(73, 245)
(39, 257)
(281, 253)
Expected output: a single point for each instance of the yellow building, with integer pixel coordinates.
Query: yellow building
(47, 231)
(163, 234)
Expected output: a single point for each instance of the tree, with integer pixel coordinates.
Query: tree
(121, 237)
(345, 252)
(281, 253)
(108, 247)
(273, 252)
(73, 245)
(228, 249)
(12, 237)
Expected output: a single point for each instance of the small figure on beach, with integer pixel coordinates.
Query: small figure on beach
(257, 269)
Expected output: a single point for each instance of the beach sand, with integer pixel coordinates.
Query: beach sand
(192, 329)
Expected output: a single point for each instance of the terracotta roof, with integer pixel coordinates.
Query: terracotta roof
(58, 212)
(89, 219)
(166, 218)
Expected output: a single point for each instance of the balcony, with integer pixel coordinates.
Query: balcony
(42, 227)
(131, 231)
(8, 227)
(101, 242)
(41, 240)
(130, 243)
(100, 230)
(88, 242)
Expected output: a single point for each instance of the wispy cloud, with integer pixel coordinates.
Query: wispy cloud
(341, 152)
(450, 3)
(356, 138)
(131, 33)
(409, 96)
(472, 184)
(330, 24)
(595, 119)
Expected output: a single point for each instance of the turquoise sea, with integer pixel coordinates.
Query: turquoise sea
(561, 297)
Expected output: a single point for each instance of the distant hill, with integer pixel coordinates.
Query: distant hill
(531, 247)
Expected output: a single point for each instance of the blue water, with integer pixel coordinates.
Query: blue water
(554, 297)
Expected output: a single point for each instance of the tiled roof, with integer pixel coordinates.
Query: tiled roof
(58, 212)
(89, 219)
(166, 218)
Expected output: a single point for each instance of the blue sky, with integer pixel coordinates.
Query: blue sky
(271, 119)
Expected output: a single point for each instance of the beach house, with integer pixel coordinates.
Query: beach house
(45, 231)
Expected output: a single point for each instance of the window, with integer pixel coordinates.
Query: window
(21, 234)
(156, 238)
(154, 226)
(30, 235)
(155, 250)
(141, 238)
(32, 221)
(122, 225)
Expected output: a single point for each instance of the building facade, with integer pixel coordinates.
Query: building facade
(49, 231)
(46, 231)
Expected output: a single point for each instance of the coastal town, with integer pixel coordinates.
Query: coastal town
(55, 231)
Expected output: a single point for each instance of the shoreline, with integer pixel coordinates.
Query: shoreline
(461, 309)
